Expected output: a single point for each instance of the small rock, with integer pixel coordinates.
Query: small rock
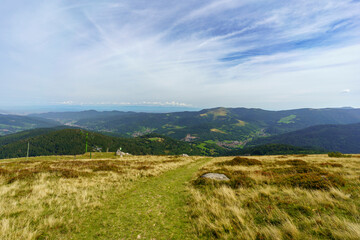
(216, 176)
(184, 155)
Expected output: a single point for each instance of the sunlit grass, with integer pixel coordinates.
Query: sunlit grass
(44, 197)
(324, 206)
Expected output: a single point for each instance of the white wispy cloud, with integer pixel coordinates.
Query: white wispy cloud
(272, 54)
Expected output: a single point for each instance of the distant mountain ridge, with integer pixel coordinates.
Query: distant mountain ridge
(217, 124)
(226, 128)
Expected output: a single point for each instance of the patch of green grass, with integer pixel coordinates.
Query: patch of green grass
(288, 119)
(210, 141)
(152, 209)
(170, 126)
(156, 139)
(202, 146)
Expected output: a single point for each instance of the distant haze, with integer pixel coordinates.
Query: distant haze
(24, 110)
(271, 54)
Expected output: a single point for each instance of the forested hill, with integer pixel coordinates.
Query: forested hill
(72, 141)
(342, 138)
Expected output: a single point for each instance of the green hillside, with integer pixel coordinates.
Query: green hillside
(342, 138)
(275, 149)
(72, 141)
(14, 123)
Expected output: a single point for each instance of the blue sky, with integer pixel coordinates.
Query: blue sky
(269, 54)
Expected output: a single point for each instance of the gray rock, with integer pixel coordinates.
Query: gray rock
(216, 176)
(121, 154)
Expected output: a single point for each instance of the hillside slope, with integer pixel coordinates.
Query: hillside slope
(72, 141)
(14, 123)
(343, 138)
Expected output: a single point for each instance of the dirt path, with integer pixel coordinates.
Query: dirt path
(154, 209)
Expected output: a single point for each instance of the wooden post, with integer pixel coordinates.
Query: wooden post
(27, 154)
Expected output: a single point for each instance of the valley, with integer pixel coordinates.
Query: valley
(209, 132)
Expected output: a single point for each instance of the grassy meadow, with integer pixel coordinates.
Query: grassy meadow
(165, 197)
(54, 197)
(278, 197)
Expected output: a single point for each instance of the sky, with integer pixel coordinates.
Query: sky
(271, 54)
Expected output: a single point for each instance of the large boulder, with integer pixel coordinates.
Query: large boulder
(216, 176)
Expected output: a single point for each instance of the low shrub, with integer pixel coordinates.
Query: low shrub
(305, 176)
(327, 164)
(296, 170)
(241, 161)
(312, 181)
(294, 162)
(144, 167)
(338, 155)
(3, 172)
(106, 168)
(70, 173)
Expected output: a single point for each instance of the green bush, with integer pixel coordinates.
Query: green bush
(241, 161)
(313, 181)
(338, 155)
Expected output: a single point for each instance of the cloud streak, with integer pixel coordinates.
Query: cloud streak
(269, 54)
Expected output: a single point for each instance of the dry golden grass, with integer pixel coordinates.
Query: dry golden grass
(321, 203)
(44, 196)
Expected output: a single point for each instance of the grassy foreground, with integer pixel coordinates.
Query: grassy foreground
(107, 198)
(165, 197)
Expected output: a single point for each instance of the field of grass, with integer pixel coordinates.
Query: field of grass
(288, 119)
(278, 197)
(165, 197)
(66, 197)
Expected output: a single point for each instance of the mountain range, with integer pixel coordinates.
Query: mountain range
(218, 128)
